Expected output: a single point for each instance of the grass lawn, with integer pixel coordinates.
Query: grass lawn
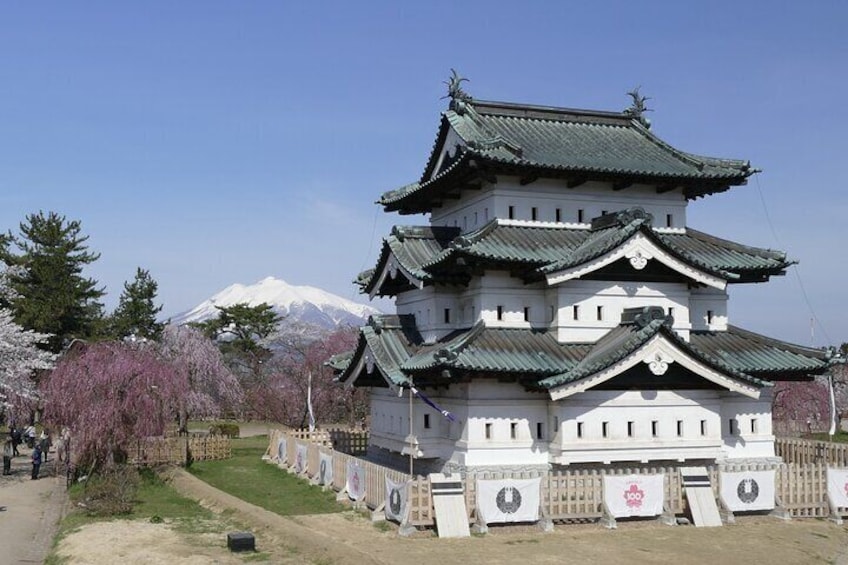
(154, 501)
(838, 437)
(246, 476)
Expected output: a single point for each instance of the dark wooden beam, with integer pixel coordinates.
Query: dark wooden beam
(529, 179)
(452, 195)
(663, 188)
(622, 184)
(575, 182)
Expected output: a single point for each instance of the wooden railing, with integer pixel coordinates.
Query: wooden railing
(576, 494)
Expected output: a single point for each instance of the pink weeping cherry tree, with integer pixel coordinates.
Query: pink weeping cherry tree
(109, 395)
(213, 390)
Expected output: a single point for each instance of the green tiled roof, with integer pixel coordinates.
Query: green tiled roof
(535, 358)
(500, 350)
(541, 249)
(561, 143)
(412, 247)
(757, 354)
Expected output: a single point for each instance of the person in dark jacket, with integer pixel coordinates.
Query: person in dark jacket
(36, 461)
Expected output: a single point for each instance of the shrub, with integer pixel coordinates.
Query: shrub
(225, 429)
(109, 493)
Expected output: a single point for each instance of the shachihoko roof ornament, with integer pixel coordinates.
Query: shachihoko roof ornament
(455, 93)
(638, 107)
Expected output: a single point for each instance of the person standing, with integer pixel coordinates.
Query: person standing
(36, 461)
(8, 451)
(16, 441)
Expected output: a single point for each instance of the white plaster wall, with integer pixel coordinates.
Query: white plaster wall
(708, 309)
(687, 426)
(613, 299)
(642, 426)
(751, 434)
(577, 206)
(501, 425)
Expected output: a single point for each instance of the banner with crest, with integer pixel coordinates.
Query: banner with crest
(300, 458)
(508, 500)
(355, 482)
(397, 500)
(628, 496)
(325, 469)
(747, 490)
(281, 450)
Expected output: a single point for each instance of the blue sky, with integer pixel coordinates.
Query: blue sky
(219, 142)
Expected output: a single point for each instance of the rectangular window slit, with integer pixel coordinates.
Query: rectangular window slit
(526, 313)
(679, 428)
(600, 313)
(669, 221)
(500, 312)
(575, 312)
(631, 429)
(579, 429)
(655, 428)
(605, 429)
(534, 213)
(703, 427)
(513, 430)
(426, 421)
(511, 212)
(539, 430)
(753, 425)
(709, 316)
(558, 214)
(488, 430)
(580, 216)
(447, 316)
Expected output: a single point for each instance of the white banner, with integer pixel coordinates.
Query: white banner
(747, 490)
(837, 486)
(355, 481)
(325, 469)
(300, 459)
(397, 498)
(281, 450)
(508, 500)
(633, 495)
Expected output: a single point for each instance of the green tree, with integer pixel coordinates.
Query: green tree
(136, 312)
(52, 295)
(242, 332)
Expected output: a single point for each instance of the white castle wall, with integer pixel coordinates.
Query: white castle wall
(501, 424)
(551, 200)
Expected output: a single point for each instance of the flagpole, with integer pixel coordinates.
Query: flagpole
(411, 443)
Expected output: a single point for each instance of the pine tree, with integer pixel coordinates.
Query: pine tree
(53, 296)
(136, 312)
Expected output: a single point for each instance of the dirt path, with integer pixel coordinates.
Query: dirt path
(32, 511)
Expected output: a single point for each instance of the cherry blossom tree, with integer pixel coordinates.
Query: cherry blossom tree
(801, 406)
(282, 395)
(212, 387)
(20, 356)
(110, 394)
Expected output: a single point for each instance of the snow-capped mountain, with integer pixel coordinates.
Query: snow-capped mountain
(297, 304)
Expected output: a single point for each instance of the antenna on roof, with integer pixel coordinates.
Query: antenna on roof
(455, 92)
(638, 107)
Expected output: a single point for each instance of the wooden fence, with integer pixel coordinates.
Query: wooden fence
(175, 450)
(572, 494)
(805, 451)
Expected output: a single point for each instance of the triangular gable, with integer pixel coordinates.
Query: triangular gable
(382, 347)
(658, 352)
(638, 249)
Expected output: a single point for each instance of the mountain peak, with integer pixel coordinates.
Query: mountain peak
(305, 304)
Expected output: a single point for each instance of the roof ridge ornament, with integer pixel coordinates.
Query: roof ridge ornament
(458, 96)
(638, 107)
